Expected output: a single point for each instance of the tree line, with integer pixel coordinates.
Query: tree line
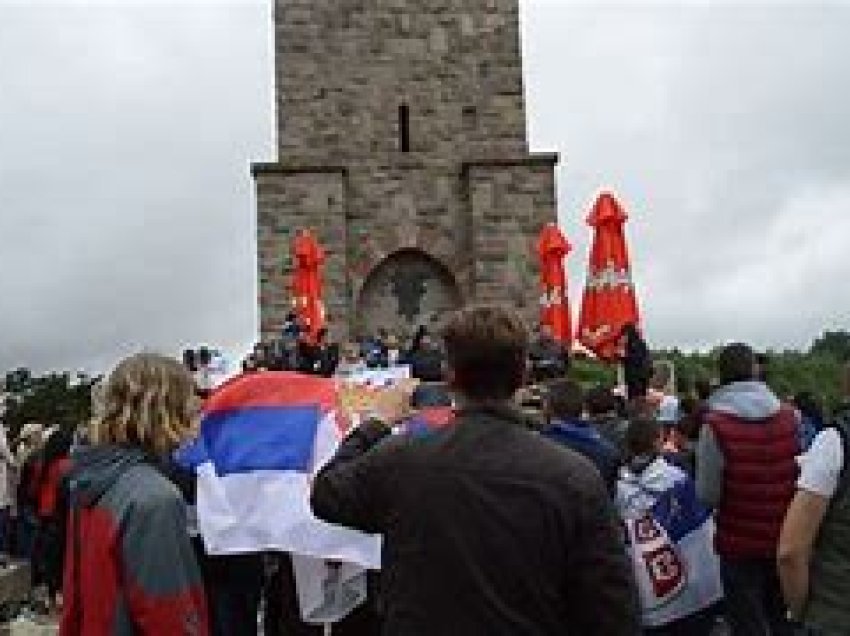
(64, 399)
(817, 370)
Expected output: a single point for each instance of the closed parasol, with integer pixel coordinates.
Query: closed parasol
(552, 249)
(609, 302)
(307, 282)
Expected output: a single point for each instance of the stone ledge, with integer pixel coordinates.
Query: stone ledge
(406, 162)
(296, 168)
(533, 159)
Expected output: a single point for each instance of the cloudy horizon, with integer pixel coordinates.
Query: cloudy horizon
(127, 215)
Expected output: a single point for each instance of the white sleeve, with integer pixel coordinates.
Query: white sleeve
(820, 466)
(5, 452)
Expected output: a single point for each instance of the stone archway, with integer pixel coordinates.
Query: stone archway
(407, 289)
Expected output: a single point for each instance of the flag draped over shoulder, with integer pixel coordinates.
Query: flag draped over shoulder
(263, 437)
(670, 537)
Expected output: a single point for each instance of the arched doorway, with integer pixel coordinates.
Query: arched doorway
(407, 289)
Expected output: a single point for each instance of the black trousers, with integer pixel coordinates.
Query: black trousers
(699, 624)
(234, 586)
(754, 604)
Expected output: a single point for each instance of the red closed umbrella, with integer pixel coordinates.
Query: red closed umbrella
(307, 282)
(552, 248)
(609, 301)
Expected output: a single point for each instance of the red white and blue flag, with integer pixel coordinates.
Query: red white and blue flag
(670, 539)
(263, 437)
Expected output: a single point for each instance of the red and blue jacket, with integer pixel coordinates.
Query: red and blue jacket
(130, 567)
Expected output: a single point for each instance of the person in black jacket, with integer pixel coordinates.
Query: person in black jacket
(637, 362)
(427, 361)
(488, 527)
(549, 358)
(564, 408)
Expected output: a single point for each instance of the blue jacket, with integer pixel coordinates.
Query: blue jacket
(583, 438)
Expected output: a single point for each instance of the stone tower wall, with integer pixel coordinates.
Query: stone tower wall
(466, 194)
(287, 201)
(509, 203)
(345, 66)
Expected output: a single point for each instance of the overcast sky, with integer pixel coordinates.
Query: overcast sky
(127, 128)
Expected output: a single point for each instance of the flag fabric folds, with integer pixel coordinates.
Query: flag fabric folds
(263, 437)
(670, 539)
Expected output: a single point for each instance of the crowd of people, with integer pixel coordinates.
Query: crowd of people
(499, 523)
(296, 349)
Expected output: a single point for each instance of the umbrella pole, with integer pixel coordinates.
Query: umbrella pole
(327, 630)
(621, 378)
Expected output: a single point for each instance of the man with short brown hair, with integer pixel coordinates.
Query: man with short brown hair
(564, 409)
(488, 528)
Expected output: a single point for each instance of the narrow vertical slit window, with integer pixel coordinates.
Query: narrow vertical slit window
(404, 127)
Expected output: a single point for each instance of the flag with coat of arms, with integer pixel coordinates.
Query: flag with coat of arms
(263, 437)
(670, 538)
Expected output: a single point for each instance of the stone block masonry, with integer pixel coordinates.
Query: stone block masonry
(402, 143)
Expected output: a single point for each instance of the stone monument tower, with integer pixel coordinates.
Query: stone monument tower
(402, 144)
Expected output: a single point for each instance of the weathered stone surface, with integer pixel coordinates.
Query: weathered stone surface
(459, 210)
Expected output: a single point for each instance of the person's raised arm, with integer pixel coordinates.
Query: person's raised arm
(344, 491)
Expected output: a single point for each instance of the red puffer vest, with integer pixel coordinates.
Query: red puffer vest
(759, 479)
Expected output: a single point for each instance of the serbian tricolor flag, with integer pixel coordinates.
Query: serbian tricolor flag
(670, 540)
(263, 436)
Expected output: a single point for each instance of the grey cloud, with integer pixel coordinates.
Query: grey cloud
(126, 132)
(126, 211)
(721, 129)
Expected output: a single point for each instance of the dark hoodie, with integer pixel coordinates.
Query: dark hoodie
(130, 568)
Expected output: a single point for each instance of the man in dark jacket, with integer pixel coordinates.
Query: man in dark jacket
(488, 527)
(564, 406)
(747, 471)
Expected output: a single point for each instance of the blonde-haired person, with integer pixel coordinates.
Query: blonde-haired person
(130, 567)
